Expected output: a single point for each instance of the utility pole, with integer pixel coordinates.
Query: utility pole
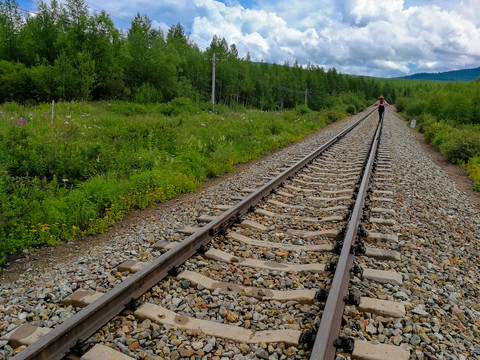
(214, 63)
(306, 92)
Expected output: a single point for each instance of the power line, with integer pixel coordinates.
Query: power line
(110, 11)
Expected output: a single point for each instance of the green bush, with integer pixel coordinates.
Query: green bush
(401, 103)
(333, 115)
(351, 109)
(473, 169)
(147, 93)
(460, 146)
(302, 109)
(182, 105)
(436, 133)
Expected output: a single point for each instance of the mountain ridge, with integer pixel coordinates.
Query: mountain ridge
(453, 75)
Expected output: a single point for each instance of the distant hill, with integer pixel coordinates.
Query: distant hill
(455, 75)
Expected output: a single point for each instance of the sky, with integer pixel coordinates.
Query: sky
(360, 37)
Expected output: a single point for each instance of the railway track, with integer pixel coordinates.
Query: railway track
(321, 230)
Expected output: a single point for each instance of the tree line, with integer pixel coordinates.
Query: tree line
(65, 52)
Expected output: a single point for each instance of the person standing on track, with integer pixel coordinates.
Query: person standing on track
(381, 106)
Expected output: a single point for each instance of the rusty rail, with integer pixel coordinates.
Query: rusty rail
(329, 328)
(59, 342)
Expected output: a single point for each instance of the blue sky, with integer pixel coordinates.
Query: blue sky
(363, 37)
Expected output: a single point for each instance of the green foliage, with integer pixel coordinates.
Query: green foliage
(351, 109)
(146, 93)
(302, 109)
(333, 115)
(354, 102)
(448, 114)
(473, 169)
(461, 145)
(458, 145)
(81, 171)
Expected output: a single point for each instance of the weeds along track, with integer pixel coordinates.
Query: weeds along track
(269, 273)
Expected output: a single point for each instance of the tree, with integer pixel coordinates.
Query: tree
(104, 46)
(87, 77)
(39, 36)
(77, 12)
(11, 23)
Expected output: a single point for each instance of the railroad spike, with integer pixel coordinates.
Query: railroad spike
(133, 304)
(174, 271)
(337, 248)
(331, 266)
(81, 347)
(202, 249)
(345, 343)
(360, 247)
(352, 299)
(321, 295)
(357, 270)
(362, 232)
(237, 219)
(307, 338)
(222, 231)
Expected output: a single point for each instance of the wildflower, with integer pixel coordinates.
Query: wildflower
(64, 180)
(203, 125)
(98, 158)
(241, 135)
(69, 116)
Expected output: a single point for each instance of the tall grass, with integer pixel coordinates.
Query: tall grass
(82, 169)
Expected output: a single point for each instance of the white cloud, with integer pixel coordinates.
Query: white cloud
(369, 36)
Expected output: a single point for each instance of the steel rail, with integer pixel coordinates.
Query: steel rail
(330, 324)
(59, 342)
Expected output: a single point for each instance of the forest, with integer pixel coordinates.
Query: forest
(65, 53)
(96, 121)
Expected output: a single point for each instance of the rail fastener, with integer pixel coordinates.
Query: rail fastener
(345, 343)
(321, 295)
(331, 266)
(133, 304)
(352, 298)
(307, 337)
(357, 270)
(80, 348)
(360, 247)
